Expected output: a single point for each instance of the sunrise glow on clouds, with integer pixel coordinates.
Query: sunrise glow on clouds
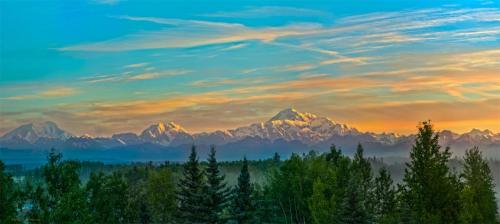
(101, 67)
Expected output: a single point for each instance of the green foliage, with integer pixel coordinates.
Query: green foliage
(8, 197)
(353, 210)
(243, 206)
(290, 186)
(320, 205)
(161, 196)
(107, 197)
(215, 192)
(190, 193)
(431, 191)
(384, 198)
(478, 196)
(328, 188)
(63, 200)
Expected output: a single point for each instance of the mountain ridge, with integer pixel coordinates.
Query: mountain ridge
(288, 125)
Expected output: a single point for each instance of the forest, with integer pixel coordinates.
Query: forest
(305, 188)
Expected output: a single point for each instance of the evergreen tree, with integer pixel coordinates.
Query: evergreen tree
(8, 197)
(361, 168)
(431, 191)
(353, 209)
(385, 208)
(243, 207)
(276, 158)
(190, 194)
(478, 195)
(216, 193)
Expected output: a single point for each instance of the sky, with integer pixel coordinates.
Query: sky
(100, 67)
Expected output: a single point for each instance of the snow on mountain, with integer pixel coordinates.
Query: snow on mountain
(165, 134)
(128, 138)
(476, 136)
(288, 127)
(34, 131)
(291, 125)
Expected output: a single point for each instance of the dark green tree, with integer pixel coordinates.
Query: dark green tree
(8, 197)
(430, 190)
(353, 210)
(161, 196)
(216, 194)
(190, 194)
(243, 207)
(276, 158)
(38, 198)
(385, 209)
(66, 201)
(478, 195)
(361, 169)
(266, 210)
(107, 197)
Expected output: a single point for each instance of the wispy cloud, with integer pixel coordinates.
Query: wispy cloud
(192, 33)
(137, 65)
(106, 2)
(133, 76)
(234, 47)
(267, 11)
(54, 92)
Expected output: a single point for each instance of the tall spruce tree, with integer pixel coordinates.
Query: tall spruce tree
(353, 210)
(216, 194)
(190, 194)
(362, 169)
(385, 211)
(478, 195)
(8, 213)
(243, 208)
(431, 191)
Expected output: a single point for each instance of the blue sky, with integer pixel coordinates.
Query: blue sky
(108, 66)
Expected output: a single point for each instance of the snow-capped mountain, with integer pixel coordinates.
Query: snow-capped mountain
(166, 134)
(34, 131)
(289, 129)
(290, 125)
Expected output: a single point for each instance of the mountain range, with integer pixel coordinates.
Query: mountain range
(288, 131)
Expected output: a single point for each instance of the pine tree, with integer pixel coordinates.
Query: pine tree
(430, 190)
(385, 198)
(8, 197)
(276, 158)
(216, 193)
(362, 168)
(190, 194)
(243, 207)
(479, 197)
(353, 210)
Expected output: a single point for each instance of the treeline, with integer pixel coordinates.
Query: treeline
(312, 188)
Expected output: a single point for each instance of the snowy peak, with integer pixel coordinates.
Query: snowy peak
(476, 133)
(163, 133)
(34, 131)
(291, 125)
(293, 115)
